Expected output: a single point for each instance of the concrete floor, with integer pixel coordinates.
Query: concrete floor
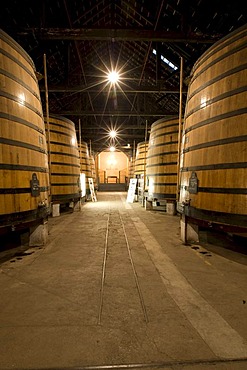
(153, 303)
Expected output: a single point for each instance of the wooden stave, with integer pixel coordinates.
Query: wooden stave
(93, 169)
(85, 166)
(140, 159)
(131, 168)
(222, 135)
(22, 136)
(65, 167)
(163, 146)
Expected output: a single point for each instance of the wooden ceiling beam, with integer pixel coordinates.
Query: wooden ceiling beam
(124, 90)
(118, 113)
(119, 35)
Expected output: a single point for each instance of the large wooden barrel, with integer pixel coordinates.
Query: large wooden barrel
(131, 167)
(214, 146)
(93, 170)
(140, 159)
(85, 165)
(64, 160)
(24, 179)
(162, 158)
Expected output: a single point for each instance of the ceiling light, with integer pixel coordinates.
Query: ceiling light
(113, 134)
(113, 77)
(112, 149)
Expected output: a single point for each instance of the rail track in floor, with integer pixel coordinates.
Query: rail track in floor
(115, 220)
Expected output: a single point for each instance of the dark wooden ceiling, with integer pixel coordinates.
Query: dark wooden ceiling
(81, 40)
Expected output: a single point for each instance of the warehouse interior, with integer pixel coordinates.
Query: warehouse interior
(123, 202)
(143, 41)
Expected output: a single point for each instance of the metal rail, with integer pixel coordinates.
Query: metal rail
(179, 364)
(103, 271)
(134, 272)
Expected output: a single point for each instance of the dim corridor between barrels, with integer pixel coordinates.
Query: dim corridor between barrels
(157, 301)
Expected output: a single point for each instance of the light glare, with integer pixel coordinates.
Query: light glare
(113, 77)
(112, 149)
(22, 99)
(203, 102)
(113, 134)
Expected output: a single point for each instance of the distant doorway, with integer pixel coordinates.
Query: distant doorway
(112, 170)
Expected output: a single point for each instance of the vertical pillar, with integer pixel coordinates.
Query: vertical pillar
(38, 235)
(170, 208)
(189, 231)
(148, 204)
(55, 210)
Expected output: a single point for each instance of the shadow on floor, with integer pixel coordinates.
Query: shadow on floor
(233, 247)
